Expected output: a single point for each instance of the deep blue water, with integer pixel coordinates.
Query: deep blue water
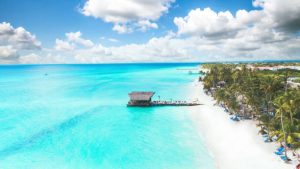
(75, 117)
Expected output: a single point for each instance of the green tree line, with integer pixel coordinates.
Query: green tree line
(260, 94)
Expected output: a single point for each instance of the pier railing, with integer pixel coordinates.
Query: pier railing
(174, 103)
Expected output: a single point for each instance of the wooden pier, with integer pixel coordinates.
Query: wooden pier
(144, 99)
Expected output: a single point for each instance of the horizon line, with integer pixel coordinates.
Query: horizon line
(123, 63)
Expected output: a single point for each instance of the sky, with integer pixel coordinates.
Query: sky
(121, 31)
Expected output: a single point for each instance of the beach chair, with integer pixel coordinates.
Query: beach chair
(235, 118)
(280, 148)
(267, 140)
(274, 138)
(284, 158)
(279, 151)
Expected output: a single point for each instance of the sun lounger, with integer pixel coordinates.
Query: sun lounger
(268, 140)
(279, 151)
(235, 118)
(265, 135)
(284, 158)
(274, 138)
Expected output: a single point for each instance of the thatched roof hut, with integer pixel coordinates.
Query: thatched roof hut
(140, 98)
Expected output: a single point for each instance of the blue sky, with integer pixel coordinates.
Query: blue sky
(50, 20)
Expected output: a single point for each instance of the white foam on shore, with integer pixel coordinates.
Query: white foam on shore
(233, 145)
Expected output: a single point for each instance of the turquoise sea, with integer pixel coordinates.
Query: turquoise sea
(75, 117)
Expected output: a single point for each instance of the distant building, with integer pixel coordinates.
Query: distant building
(221, 84)
(140, 98)
(204, 70)
(273, 68)
(291, 82)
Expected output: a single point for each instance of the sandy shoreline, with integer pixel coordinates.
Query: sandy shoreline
(233, 145)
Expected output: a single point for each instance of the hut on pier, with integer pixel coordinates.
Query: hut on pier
(140, 98)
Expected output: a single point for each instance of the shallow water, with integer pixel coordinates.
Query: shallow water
(75, 116)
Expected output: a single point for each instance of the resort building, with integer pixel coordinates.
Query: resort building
(221, 84)
(293, 83)
(272, 68)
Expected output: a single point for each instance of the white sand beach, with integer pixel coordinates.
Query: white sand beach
(233, 145)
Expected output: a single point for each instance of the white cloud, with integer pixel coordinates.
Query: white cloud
(122, 13)
(13, 41)
(113, 40)
(17, 37)
(265, 33)
(268, 32)
(146, 24)
(7, 52)
(34, 58)
(30, 59)
(122, 28)
(283, 14)
(212, 24)
(73, 39)
(109, 39)
(173, 49)
(76, 38)
(168, 48)
(62, 45)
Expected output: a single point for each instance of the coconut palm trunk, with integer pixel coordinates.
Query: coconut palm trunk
(284, 136)
(281, 119)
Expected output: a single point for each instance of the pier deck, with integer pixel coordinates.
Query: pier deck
(163, 103)
(143, 99)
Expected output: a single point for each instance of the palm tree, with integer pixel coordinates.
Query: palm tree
(220, 95)
(288, 105)
(279, 114)
(214, 73)
(261, 90)
(236, 76)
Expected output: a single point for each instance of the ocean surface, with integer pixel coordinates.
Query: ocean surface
(75, 117)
